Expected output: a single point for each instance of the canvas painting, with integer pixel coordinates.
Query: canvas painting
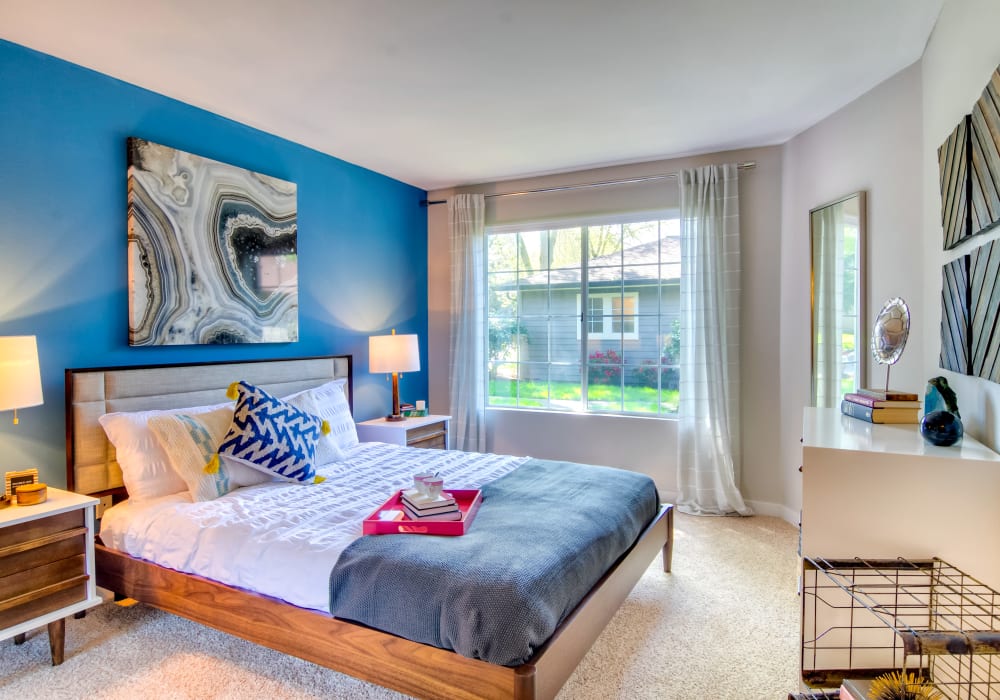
(212, 251)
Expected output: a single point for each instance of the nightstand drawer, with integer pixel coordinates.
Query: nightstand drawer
(34, 529)
(43, 601)
(52, 548)
(43, 566)
(433, 435)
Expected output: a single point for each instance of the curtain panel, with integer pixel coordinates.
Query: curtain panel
(467, 393)
(709, 410)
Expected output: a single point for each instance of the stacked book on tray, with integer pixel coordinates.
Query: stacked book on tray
(422, 506)
(878, 406)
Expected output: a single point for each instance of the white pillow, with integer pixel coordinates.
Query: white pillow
(191, 440)
(329, 403)
(146, 468)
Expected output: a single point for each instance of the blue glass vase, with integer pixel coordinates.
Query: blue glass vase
(941, 428)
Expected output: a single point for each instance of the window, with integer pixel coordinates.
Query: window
(611, 315)
(583, 316)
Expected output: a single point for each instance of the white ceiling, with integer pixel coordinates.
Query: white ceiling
(447, 92)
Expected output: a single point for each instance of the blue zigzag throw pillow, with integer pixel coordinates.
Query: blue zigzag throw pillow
(271, 435)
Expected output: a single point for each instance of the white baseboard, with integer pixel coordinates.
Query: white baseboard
(776, 510)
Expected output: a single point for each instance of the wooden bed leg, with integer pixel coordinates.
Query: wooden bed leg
(57, 640)
(668, 548)
(19, 638)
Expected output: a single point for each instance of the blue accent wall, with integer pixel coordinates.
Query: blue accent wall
(362, 240)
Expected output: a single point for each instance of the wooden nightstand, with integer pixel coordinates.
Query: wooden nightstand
(426, 431)
(46, 566)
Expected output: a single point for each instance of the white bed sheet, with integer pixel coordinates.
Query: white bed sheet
(282, 539)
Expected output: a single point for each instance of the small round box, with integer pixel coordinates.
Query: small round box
(31, 494)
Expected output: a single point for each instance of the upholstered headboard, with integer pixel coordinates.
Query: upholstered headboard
(91, 466)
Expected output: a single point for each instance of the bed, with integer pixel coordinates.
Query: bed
(345, 646)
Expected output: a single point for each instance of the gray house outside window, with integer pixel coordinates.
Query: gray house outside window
(631, 323)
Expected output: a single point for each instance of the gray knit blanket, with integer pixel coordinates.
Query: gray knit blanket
(544, 535)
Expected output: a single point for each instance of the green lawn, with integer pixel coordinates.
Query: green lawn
(634, 399)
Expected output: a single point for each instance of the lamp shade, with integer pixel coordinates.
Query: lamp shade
(20, 378)
(393, 353)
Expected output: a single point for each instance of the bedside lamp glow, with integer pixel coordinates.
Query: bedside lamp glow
(20, 378)
(393, 354)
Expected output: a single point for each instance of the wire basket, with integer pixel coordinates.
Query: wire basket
(862, 618)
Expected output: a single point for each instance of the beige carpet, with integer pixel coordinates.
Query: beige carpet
(723, 625)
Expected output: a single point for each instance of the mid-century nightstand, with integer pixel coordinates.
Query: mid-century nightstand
(426, 431)
(46, 566)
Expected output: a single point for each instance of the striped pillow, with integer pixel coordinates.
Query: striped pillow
(189, 440)
(271, 435)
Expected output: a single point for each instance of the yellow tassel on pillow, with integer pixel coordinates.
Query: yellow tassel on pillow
(213, 464)
(325, 428)
(319, 479)
(231, 392)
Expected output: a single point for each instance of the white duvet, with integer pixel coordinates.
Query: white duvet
(282, 539)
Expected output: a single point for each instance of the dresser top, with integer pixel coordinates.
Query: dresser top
(828, 428)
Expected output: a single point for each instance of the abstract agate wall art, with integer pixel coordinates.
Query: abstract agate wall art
(212, 251)
(970, 310)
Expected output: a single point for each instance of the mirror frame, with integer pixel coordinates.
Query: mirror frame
(861, 349)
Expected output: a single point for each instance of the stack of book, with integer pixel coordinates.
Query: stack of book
(878, 406)
(418, 506)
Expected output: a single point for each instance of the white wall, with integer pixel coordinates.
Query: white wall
(642, 444)
(886, 143)
(962, 54)
(872, 144)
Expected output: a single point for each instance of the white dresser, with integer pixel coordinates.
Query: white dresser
(880, 491)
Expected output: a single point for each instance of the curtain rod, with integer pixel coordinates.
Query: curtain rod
(585, 185)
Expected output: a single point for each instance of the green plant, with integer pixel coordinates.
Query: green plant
(503, 333)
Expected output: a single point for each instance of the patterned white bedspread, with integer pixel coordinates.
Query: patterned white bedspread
(282, 539)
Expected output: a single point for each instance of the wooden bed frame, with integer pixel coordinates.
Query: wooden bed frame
(415, 669)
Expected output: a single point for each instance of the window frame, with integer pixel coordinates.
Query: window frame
(665, 374)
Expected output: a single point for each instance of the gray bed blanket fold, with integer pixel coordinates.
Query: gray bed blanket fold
(544, 535)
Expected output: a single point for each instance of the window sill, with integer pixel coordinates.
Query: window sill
(587, 414)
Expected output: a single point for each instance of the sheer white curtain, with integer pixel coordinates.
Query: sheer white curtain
(467, 220)
(827, 242)
(709, 416)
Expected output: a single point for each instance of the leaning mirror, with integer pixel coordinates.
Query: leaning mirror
(837, 246)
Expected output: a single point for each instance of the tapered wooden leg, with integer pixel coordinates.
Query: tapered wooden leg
(57, 640)
(668, 548)
(19, 638)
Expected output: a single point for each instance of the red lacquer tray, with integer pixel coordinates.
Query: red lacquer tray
(468, 502)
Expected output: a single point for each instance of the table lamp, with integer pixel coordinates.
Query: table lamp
(393, 354)
(20, 378)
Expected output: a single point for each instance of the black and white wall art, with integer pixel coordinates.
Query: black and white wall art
(212, 251)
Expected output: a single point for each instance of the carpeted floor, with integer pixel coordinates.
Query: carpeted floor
(724, 624)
